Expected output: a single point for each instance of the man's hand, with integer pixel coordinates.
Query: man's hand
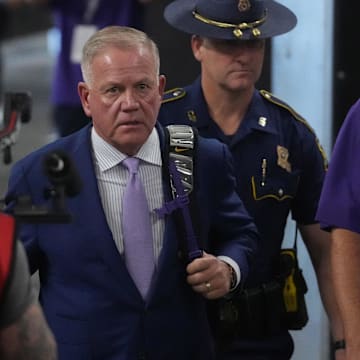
(340, 354)
(209, 276)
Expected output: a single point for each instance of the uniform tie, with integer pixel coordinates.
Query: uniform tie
(137, 231)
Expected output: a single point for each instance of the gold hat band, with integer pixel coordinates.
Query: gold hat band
(237, 27)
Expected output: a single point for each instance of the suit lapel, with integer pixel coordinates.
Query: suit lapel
(88, 210)
(90, 214)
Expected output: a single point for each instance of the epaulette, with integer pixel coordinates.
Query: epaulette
(273, 99)
(270, 97)
(173, 94)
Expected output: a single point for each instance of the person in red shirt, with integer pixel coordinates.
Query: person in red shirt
(24, 333)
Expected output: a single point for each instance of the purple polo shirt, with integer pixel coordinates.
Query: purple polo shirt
(340, 198)
(69, 13)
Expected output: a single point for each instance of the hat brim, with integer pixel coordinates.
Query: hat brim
(279, 20)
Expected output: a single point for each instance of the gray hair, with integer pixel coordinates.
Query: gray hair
(122, 37)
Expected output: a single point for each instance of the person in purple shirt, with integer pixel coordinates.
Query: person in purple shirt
(76, 21)
(339, 212)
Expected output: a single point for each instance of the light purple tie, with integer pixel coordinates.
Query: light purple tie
(137, 231)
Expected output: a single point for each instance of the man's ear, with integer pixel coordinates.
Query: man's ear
(196, 42)
(162, 84)
(83, 91)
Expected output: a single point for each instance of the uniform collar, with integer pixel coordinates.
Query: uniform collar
(198, 113)
(257, 117)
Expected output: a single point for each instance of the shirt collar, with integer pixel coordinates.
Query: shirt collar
(258, 116)
(107, 156)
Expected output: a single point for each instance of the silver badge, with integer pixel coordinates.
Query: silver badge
(262, 121)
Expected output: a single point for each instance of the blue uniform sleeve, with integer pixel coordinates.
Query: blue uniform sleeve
(313, 169)
(340, 199)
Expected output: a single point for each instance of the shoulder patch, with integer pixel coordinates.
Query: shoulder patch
(271, 98)
(173, 94)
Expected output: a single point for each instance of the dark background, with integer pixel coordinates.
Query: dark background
(180, 67)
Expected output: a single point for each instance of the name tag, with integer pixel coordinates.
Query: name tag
(81, 34)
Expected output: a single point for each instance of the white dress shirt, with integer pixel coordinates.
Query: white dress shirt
(112, 178)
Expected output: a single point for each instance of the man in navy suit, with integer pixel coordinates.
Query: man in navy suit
(89, 298)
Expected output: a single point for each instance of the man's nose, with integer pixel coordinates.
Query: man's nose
(129, 100)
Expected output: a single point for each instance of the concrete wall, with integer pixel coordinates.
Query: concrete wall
(302, 76)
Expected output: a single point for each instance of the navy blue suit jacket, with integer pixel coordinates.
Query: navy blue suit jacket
(89, 299)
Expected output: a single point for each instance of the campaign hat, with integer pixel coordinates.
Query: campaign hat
(230, 19)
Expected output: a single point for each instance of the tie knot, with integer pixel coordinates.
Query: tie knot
(132, 164)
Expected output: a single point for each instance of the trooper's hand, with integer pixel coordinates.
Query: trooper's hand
(209, 276)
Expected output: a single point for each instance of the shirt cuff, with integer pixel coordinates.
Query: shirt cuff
(234, 265)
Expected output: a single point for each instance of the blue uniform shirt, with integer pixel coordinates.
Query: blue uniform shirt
(279, 164)
(279, 167)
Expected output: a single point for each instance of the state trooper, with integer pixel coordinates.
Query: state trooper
(279, 163)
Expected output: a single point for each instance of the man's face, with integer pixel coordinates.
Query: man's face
(123, 97)
(234, 65)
